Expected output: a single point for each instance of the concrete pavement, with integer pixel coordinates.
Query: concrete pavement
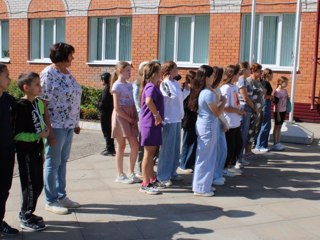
(277, 197)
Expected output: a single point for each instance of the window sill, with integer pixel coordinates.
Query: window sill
(5, 60)
(278, 68)
(189, 65)
(104, 63)
(39, 61)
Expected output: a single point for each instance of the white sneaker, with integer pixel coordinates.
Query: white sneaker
(278, 147)
(235, 170)
(56, 208)
(227, 173)
(263, 150)
(218, 182)
(67, 203)
(134, 178)
(244, 162)
(238, 165)
(281, 146)
(208, 194)
(166, 183)
(123, 179)
(187, 170)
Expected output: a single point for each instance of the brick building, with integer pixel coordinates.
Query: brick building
(214, 32)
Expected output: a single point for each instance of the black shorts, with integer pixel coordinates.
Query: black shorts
(282, 118)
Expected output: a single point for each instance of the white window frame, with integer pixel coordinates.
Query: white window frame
(176, 42)
(258, 59)
(3, 59)
(103, 46)
(42, 59)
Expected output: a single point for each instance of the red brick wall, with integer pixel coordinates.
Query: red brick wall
(145, 40)
(111, 8)
(51, 8)
(224, 39)
(3, 10)
(167, 6)
(263, 6)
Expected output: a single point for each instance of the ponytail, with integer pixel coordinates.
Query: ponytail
(118, 69)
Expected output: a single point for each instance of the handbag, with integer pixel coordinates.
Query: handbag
(289, 107)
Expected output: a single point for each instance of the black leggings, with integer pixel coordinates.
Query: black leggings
(234, 143)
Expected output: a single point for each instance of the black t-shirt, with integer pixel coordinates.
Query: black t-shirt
(267, 86)
(7, 115)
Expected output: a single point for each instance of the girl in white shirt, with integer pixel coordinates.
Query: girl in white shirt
(173, 113)
(233, 114)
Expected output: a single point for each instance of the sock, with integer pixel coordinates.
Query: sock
(153, 179)
(144, 184)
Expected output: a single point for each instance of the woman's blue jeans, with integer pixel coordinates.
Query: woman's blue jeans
(263, 137)
(55, 165)
(169, 154)
(221, 153)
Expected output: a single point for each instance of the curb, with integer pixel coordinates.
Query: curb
(90, 125)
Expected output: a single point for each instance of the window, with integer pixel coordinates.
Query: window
(274, 40)
(110, 39)
(185, 39)
(4, 40)
(44, 33)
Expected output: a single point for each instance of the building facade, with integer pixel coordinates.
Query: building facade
(190, 32)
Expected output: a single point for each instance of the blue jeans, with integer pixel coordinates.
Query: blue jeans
(244, 128)
(221, 153)
(55, 164)
(263, 137)
(189, 148)
(169, 152)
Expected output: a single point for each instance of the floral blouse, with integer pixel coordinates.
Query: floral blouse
(63, 94)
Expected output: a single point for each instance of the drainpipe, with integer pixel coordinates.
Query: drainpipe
(295, 63)
(252, 33)
(315, 58)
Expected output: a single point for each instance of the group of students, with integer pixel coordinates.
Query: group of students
(224, 113)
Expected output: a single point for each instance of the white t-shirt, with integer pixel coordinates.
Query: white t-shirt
(173, 100)
(125, 92)
(230, 91)
(63, 94)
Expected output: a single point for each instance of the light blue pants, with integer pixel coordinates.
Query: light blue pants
(169, 152)
(55, 165)
(221, 152)
(206, 157)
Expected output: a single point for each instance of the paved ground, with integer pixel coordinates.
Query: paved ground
(277, 197)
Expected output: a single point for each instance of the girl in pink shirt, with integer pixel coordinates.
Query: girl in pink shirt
(280, 110)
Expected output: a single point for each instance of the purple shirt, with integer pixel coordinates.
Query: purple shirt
(146, 116)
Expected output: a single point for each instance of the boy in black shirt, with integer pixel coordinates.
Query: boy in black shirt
(29, 132)
(7, 110)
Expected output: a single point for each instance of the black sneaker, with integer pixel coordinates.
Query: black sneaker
(107, 152)
(6, 229)
(32, 225)
(33, 216)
